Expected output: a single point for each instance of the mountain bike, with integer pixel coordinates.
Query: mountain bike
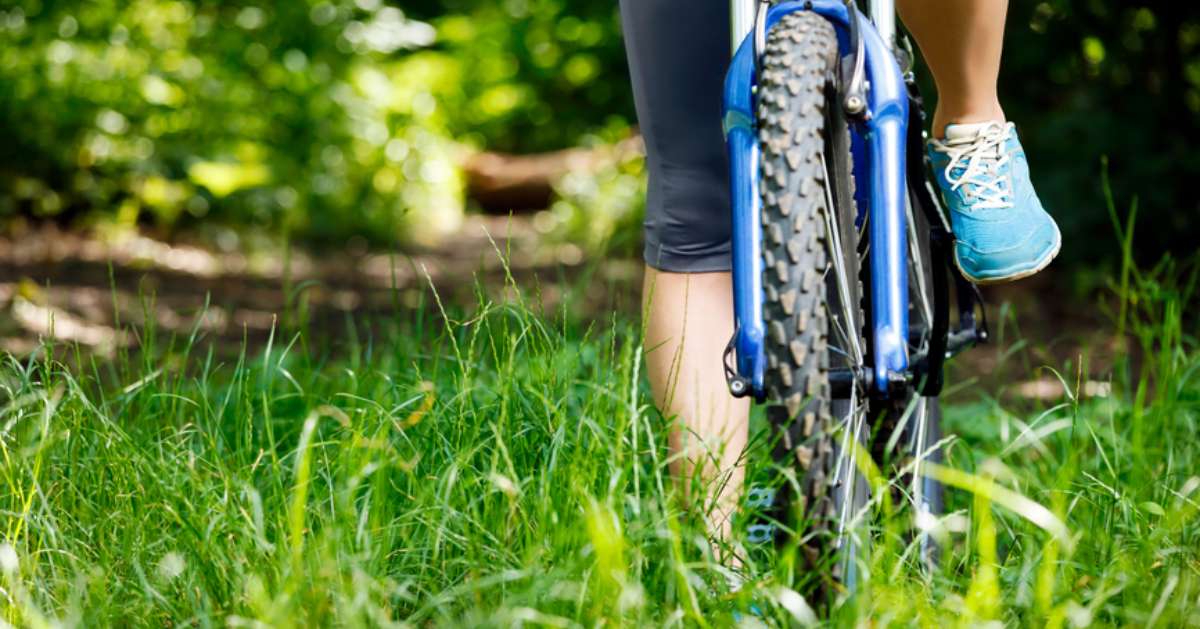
(842, 276)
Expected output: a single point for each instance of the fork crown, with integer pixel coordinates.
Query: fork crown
(879, 172)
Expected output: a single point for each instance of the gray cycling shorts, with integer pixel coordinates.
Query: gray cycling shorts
(678, 53)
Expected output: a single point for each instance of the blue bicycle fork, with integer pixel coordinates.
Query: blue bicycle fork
(880, 131)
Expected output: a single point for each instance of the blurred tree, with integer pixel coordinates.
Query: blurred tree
(339, 117)
(275, 114)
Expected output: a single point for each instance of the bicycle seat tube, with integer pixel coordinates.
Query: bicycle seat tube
(741, 14)
(883, 14)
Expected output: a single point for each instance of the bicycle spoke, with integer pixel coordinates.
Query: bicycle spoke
(918, 448)
(918, 265)
(838, 259)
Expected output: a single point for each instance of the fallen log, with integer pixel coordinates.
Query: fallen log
(502, 182)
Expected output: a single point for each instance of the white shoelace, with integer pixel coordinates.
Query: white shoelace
(981, 158)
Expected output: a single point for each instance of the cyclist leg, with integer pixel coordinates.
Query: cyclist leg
(688, 320)
(677, 56)
(1002, 231)
(961, 41)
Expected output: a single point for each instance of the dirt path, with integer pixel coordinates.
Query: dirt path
(100, 292)
(94, 291)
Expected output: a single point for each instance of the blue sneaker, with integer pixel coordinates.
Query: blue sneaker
(1002, 231)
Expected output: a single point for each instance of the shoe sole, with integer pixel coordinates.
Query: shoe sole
(1015, 276)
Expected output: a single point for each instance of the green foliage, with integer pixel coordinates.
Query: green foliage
(535, 74)
(303, 116)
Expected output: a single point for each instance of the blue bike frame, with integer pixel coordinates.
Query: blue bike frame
(879, 172)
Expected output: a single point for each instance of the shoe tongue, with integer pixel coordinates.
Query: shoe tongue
(968, 131)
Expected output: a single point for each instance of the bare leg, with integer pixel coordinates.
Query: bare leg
(961, 40)
(689, 319)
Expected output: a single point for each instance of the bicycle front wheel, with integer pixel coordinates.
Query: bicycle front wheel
(813, 303)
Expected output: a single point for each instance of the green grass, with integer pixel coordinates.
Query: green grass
(506, 468)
